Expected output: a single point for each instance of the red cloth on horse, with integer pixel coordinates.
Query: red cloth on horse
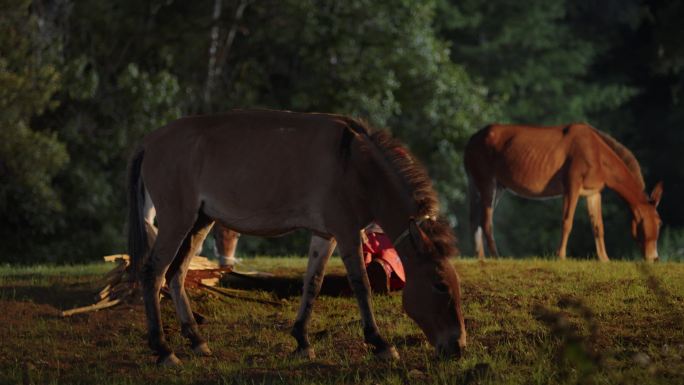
(379, 247)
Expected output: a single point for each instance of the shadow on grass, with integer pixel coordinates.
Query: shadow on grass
(334, 285)
(59, 296)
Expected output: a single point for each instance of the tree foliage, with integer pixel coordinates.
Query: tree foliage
(30, 157)
(82, 82)
(556, 62)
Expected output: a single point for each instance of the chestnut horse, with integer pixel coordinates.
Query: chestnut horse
(270, 172)
(542, 162)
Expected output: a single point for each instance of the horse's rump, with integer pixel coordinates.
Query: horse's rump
(526, 160)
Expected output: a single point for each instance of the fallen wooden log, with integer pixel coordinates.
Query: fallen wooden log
(85, 309)
(209, 277)
(117, 273)
(113, 258)
(118, 287)
(239, 294)
(104, 293)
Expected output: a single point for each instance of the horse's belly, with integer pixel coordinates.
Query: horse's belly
(531, 175)
(550, 189)
(263, 220)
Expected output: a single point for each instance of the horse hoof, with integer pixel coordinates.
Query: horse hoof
(170, 361)
(389, 354)
(306, 353)
(202, 350)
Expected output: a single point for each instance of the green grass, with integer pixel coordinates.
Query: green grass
(529, 322)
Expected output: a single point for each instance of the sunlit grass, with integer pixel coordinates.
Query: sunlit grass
(507, 343)
(55, 270)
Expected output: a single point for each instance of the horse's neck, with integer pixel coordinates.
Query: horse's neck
(393, 205)
(393, 211)
(621, 180)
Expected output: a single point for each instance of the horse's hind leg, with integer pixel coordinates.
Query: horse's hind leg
(169, 240)
(488, 199)
(569, 205)
(320, 251)
(176, 278)
(475, 203)
(350, 249)
(226, 243)
(484, 195)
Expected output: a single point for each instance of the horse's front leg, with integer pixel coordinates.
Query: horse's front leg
(352, 256)
(320, 251)
(594, 208)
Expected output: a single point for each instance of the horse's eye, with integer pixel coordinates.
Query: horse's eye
(441, 288)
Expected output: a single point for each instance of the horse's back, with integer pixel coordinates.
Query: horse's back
(501, 144)
(245, 163)
(528, 160)
(253, 141)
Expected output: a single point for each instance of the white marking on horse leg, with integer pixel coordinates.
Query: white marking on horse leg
(320, 251)
(225, 243)
(479, 245)
(149, 212)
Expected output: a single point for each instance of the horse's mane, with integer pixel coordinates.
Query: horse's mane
(416, 178)
(625, 154)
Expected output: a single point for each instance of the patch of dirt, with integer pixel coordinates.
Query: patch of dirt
(36, 335)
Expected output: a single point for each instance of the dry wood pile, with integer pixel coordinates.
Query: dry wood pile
(205, 272)
(118, 285)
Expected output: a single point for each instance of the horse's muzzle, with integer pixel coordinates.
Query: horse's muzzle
(452, 348)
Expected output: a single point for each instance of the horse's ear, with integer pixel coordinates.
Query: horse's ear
(656, 194)
(419, 238)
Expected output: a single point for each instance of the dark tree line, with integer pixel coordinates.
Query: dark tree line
(82, 82)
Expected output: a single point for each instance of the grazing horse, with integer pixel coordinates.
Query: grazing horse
(269, 172)
(542, 162)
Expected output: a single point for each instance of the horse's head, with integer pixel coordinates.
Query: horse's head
(432, 295)
(646, 224)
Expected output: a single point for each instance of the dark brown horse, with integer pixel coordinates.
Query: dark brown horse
(269, 172)
(572, 161)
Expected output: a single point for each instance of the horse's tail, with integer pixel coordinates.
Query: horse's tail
(138, 245)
